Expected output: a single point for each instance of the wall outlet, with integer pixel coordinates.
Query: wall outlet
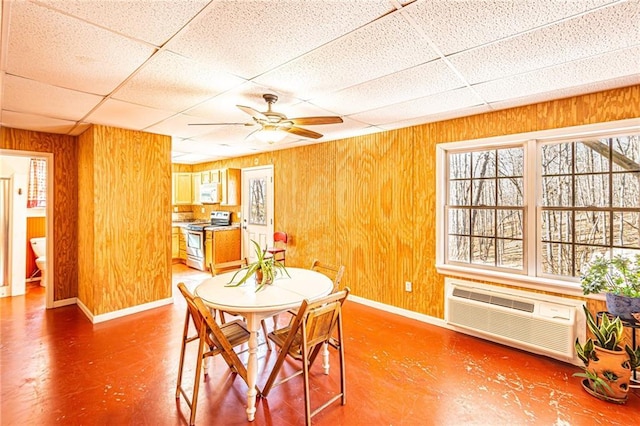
(407, 286)
(202, 210)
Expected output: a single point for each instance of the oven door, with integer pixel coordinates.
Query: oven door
(195, 244)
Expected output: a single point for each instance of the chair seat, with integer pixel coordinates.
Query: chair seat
(279, 337)
(236, 332)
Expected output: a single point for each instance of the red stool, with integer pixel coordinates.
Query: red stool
(279, 246)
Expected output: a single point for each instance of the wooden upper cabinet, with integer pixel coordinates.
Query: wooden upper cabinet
(195, 188)
(210, 176)
(181, 189)
(230, 179)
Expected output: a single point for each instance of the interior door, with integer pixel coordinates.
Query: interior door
(257, 209)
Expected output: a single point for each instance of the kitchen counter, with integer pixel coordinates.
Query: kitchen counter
(222, 228)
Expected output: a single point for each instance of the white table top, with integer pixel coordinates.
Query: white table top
(284, 293)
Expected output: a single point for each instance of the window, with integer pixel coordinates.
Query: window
(538, 208)
(590, 201)
(37, 194)
(485, 208)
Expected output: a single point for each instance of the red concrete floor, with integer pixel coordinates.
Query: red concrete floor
(58, 368)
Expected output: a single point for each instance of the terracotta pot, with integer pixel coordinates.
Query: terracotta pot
(613, 367)
(259, 277)
(622, 306)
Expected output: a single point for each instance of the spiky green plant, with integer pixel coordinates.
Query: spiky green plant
(267, 264)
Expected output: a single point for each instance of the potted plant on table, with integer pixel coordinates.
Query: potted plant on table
(607, 367)
(265, 268)
(619, 279)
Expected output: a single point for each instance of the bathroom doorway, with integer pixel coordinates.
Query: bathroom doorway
(15, 279)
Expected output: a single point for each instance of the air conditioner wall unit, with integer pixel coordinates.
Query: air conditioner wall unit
(535, 322)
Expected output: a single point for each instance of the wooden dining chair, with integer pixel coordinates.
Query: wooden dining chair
(213, 339)
(279, 249)
(219, 268)
(302, 341)
(332, 271)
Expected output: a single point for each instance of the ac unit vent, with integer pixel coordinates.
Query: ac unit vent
(494, 300)
(539, 323)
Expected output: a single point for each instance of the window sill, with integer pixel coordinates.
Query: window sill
(524, 281)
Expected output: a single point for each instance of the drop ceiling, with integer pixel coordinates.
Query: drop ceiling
(162, 65)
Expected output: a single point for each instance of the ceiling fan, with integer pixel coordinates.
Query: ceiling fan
(272, 122)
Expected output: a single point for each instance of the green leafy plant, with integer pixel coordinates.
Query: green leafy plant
(268, 265)
(608, 335)
(619, 275)
(598, 384)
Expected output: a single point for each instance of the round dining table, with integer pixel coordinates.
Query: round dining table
(286, 292)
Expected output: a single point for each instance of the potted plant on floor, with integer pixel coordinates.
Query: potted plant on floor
(265, 268)
(607, 367)
(619, 279)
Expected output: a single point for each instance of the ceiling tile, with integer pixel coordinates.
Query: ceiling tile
(180, 125)
(65, 52)
(29, 96)
(383, 47)
(568, 92)
(174, 83)
(429, 105)
(251, 37)
(590, 70)
(578, 38)
(412, 83)
(37, 123)
(152, 21)
(127, 116)
(459, 25)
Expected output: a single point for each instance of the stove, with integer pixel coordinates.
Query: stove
(196, 239)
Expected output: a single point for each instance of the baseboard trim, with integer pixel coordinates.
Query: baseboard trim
(65, 302)
(402, 312)
(95, 319)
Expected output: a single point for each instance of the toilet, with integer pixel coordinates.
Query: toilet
(39, 246)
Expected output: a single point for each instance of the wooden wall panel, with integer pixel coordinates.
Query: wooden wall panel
(131, 219)
(36, 227)
(65, 202)
(86, 221)
(382, 190)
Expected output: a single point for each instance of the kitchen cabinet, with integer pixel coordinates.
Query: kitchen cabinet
(181, 189)
(175, 242)
(230, 180)
(195, 188)
(223, 245)
(182, 244)
(210, 176)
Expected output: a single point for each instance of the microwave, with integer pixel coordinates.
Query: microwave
(210, 193)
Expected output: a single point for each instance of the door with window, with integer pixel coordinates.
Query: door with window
(257, 209)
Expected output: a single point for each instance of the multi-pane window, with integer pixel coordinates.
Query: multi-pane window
(590, 201)
(485, 208)
(581, 199)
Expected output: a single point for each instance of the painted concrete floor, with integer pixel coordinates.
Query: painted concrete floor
(58, 368)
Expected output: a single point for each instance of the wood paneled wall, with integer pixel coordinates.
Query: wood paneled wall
(369, 202)
(65, 201)
(36, 227)
(125, 243)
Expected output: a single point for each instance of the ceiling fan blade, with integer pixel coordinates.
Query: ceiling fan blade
(222, 124)
(310, 121)
(301, 132)
(253, 112)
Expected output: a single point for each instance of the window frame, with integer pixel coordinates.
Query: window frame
(532, 264)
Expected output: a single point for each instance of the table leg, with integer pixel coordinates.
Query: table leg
(253, 324)
(325, 357)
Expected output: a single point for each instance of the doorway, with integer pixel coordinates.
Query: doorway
(257, 209)
(16, 275)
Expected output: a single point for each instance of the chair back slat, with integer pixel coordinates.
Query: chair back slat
(332, 271)
(320, 322)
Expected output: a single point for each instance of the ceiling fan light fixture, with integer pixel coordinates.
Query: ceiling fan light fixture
(270, 134)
